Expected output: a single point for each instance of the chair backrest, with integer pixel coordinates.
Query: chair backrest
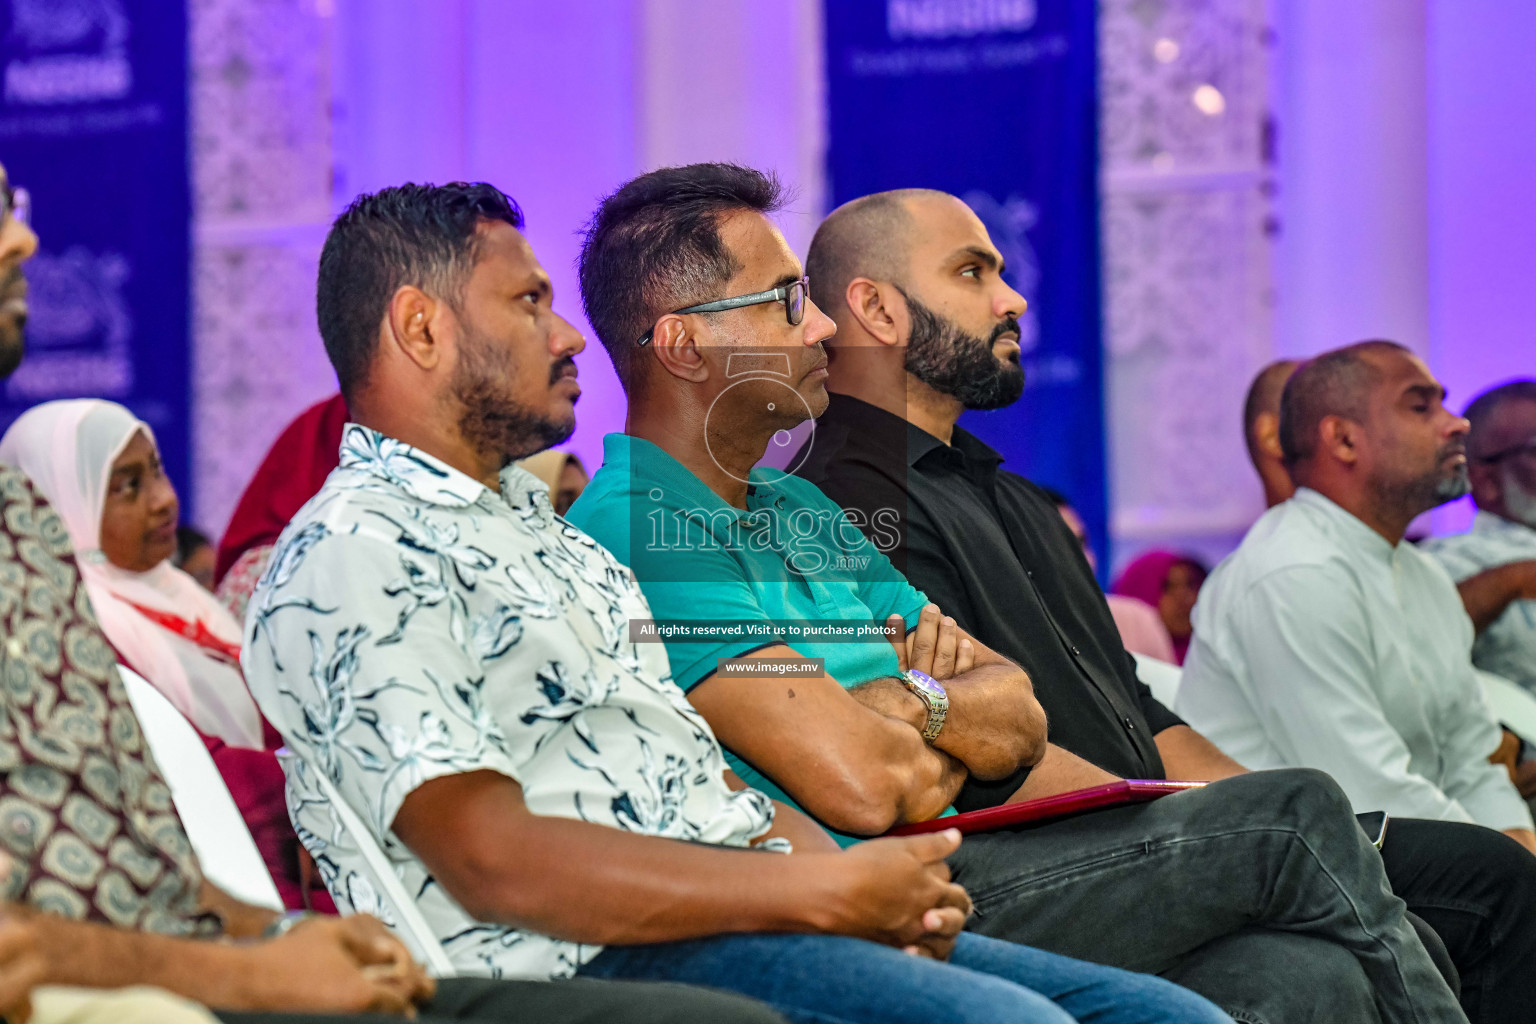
(218, 833)
(1162, 677)
(1510, 703)
(410, 925)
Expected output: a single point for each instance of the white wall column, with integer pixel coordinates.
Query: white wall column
(1353, 253)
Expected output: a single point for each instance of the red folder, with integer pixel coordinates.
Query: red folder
(1049, 808)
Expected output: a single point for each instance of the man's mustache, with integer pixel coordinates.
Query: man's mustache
(1009, 325)
(558, 369)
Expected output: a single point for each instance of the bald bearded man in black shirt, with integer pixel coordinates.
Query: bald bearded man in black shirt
(990, 548)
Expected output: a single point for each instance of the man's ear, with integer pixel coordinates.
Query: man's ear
(1340, 438)
(1266, 434)
(879, 309)
(678, 347)
(412, 317)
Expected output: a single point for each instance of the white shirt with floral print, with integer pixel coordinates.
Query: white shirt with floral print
(414, 624)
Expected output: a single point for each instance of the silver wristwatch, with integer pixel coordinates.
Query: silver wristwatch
(931, 692)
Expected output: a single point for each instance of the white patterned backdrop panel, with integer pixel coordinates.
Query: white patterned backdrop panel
(1187, 219)
(261, 173)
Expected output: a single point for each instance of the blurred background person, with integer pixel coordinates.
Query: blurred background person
(292, 471)
(1139, 623)
(564, 474)
(1261, 430)
(194, 555)
(1170, 583)
(1494, 564)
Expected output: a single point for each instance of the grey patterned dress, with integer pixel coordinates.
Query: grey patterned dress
(414, 624)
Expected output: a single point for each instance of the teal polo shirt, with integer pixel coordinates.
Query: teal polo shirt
(791, 556)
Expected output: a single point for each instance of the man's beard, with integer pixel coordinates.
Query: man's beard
(1519, 502)
(943, 356)
(1432, 489)
(489, 419)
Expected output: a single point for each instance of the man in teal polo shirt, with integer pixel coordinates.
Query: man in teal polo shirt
(703, 309)
(785, 576)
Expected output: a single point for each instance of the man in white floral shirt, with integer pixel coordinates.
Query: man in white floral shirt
(456, 659)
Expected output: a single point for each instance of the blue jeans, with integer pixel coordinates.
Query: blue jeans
(827, 979)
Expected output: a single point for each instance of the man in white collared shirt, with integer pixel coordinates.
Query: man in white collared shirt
(1494, 565)
(1326, 642)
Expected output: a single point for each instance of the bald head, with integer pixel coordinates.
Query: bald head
(1261, 430)
(1264, 400)
(867, 237)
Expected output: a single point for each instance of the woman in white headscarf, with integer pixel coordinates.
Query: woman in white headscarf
(98, 466)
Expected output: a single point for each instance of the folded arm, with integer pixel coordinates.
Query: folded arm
(995, 724)
(857, 769)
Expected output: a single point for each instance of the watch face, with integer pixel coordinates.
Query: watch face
(926, 683)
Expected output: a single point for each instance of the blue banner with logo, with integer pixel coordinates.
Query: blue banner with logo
(93, 122)
(996, 102)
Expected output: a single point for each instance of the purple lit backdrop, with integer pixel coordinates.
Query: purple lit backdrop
(1405, 158)
(541, 105)
(558, 104)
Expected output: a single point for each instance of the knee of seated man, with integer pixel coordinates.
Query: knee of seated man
(1305, 798)
(1267, 977)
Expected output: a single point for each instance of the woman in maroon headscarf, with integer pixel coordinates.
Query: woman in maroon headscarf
(300, 460)
(1170, 583)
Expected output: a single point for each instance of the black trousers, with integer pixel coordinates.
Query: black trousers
(1260, 892)
(573, 1001)
(1477, 889)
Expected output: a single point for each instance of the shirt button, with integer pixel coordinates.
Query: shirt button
(1030, 573)
(1129, 725)
(1075, 651)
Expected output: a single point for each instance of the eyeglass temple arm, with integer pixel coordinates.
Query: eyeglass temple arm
(720, 305)
(771, 295)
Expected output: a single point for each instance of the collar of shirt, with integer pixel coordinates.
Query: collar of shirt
(883, 431)
(429, 479)
(1349, 529)
(649, 464)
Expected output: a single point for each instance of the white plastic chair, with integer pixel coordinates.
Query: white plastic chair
(218, 833)
(1510, 704)
(1161, 677)
(410, 925)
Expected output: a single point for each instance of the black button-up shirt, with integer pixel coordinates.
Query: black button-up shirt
(990, 549)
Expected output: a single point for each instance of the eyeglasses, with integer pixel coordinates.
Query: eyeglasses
(1523, 448)
(792, 295)
(15, 202)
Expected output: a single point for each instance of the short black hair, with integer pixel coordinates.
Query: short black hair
(422, 235)
(1481, 409)
(654, 246)
(1336, 383)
